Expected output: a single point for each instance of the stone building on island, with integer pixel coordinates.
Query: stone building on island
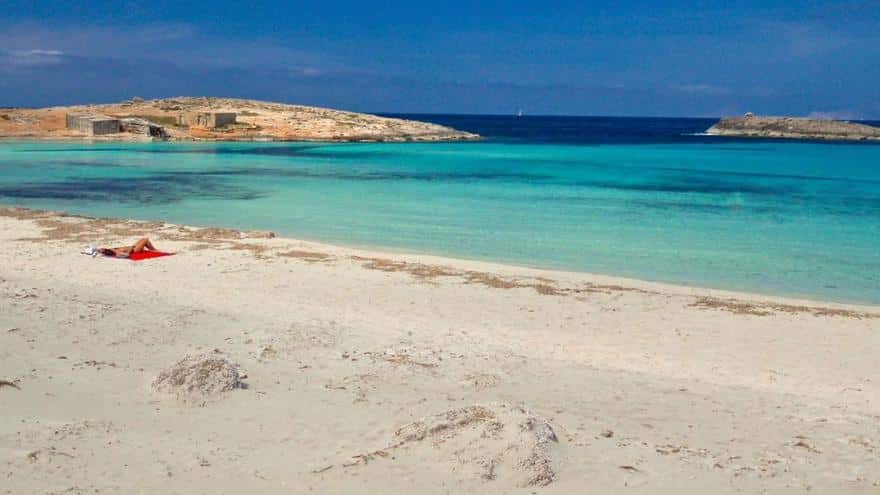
(97, 124)
(137, 125)
(93, 125)
(208, 120)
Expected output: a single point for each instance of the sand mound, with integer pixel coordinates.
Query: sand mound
(201, 376)
(490, 441)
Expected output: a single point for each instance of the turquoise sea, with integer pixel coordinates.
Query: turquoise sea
(640, 198)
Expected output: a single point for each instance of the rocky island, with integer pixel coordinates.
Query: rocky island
(793, 128)
(214, 119)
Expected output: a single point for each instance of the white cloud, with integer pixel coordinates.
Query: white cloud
(29, 58)
(833, 115)
(806, 40)
(96, 41)
(701, 89)
(178, 43)
(39, 53)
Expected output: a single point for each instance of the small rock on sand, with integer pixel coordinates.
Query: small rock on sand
(200, 376)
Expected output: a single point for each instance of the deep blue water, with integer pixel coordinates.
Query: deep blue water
(645, 198)
(575, 130)
(584, 130)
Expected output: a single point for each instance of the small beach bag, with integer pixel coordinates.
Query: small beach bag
(90, 250)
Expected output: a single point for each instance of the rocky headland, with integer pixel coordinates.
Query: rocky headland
(793, 128)
(179, 119)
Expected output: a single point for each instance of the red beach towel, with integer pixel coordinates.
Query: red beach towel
(145, 255)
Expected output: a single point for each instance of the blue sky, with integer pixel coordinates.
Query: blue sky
(675, 58)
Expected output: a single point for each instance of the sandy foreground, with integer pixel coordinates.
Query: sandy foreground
(369, 372)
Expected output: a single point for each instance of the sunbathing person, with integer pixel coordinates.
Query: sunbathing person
(125, 251)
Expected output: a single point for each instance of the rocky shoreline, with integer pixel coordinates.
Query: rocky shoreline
(253, 121)
(793, 128)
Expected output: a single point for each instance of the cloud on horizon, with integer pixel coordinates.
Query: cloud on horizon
(834, 115)
(703, 89)
(10, 59)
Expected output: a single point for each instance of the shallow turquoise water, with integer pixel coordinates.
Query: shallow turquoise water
(772, 217)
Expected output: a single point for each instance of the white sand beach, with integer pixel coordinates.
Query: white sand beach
(338, 370)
